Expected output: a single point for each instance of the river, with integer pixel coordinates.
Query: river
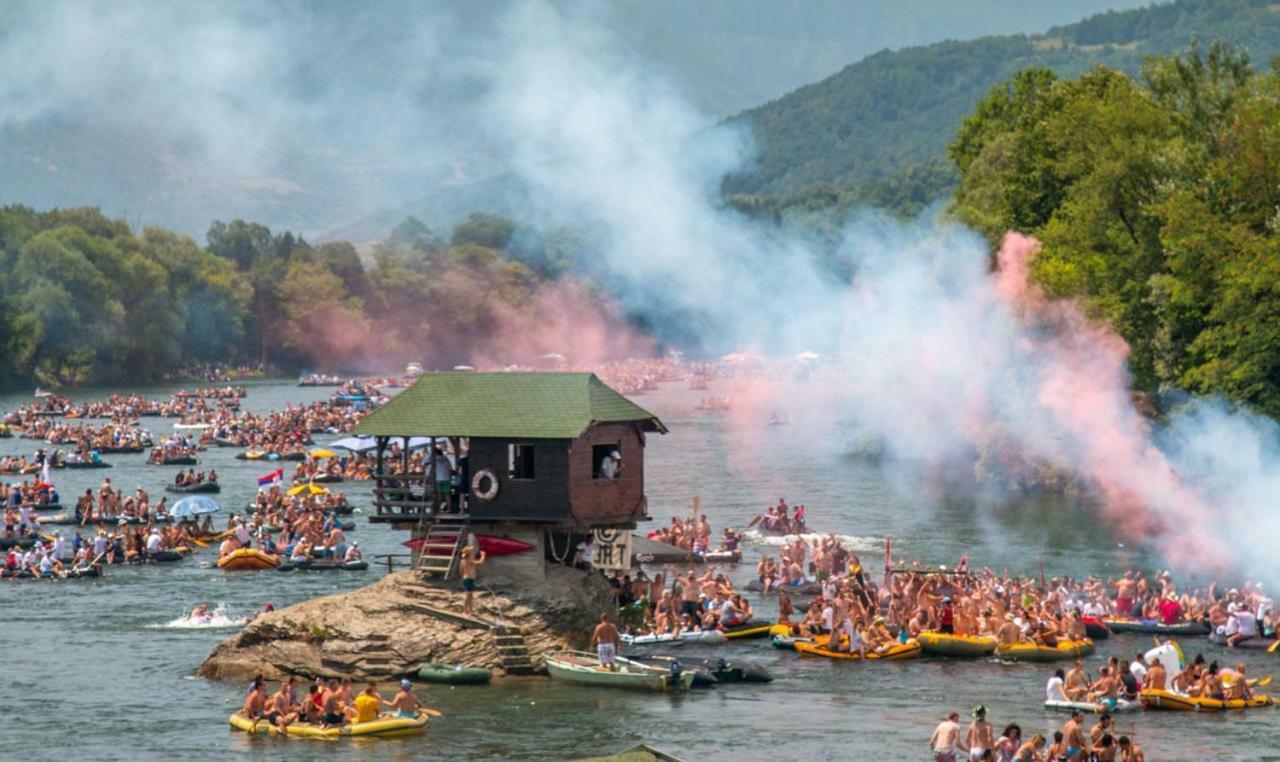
(96, 667)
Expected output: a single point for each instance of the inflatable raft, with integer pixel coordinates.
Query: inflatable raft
(248, 559)
(1066, 649)
(1154, 627)
(388, 727)
(454, 674)
(895, 652)
(748, 630)
(1178, 703)
(194, 489)
(942, 644)
(1257, 642)
(1090, 707)
(689, 636)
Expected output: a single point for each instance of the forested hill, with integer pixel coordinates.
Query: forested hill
(897, 110)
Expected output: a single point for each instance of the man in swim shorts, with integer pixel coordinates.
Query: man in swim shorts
(1077, 742)
(467, 565)
(605, 639)
(943, 740)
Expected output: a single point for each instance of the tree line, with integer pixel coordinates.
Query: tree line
(85, 299)
(1156, 198)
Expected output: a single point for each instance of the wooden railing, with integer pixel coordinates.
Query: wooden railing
(411, 497)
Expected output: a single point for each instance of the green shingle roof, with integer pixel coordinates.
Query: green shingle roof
(504, 405)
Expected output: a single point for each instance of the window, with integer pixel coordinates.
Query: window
(520, 461)
(601, 467)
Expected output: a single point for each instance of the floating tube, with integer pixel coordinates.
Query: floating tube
(1154, 627)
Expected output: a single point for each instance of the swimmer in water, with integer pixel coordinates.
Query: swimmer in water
(201, 614)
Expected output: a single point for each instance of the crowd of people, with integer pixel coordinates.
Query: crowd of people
(978, 742)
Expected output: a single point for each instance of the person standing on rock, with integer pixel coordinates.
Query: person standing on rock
(605, 639)
(468, 565)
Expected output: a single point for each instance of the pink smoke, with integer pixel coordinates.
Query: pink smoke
(1084, 384)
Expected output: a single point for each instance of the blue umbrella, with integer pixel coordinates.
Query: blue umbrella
(193, 505)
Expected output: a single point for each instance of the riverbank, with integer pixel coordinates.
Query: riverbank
(405, 621)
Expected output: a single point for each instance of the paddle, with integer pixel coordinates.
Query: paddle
(428, 711)
(1272, 648)
(754, 521)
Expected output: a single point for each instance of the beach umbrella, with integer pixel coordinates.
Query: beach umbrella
(323, 453)
(355, 444)
(309, 488)
(193, 505)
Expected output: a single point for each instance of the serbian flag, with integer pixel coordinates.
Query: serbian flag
(273, 479)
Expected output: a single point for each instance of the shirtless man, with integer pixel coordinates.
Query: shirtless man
(605, 639)
(467, 565)
(1239, 684)
(1009, 632)
(281, 708)
(1077, 742)
(1156, 676)
(255, 701)
(980, 736)
(1130, 751)
(406, 703)
(943, 740)
(1077, 686)
(1124, 595)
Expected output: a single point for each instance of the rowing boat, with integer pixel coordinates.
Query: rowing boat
(579, 668)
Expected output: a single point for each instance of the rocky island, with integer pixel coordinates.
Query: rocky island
(407, 620)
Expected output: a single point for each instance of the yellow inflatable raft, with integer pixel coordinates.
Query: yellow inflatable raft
(248, 558)
(1179, 703)
(1066, 649)
(942, 644)
(895, 652)
(382, 727)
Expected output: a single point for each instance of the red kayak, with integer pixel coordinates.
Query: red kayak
(1095, 628)
(492, 545)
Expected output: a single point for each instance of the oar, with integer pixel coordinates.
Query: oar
(1272, 648)
(428, 711)
(754, 521)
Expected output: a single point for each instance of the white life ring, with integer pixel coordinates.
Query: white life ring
(486, 494)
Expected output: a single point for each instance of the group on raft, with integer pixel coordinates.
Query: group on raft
(979, 742)
(310, 535)
(1120, 680)
(330, 704)
(781, 519)
(190, 478)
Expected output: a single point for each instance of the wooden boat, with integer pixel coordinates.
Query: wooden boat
(895, 652)
(248, 559)
(85, 464)
(202, 488)
(943, 644)
(383, 727)
(1155, 627)
(1178, 703)
(1065, 649)
(454, 674)
(579, 668)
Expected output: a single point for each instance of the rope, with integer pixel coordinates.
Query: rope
(552, 546)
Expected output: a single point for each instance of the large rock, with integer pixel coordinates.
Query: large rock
(404, 621)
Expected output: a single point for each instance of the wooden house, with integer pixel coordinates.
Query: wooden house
(527, 458)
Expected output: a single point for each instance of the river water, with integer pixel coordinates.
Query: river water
(100, 667)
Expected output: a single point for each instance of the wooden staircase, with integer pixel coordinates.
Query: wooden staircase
(441, 548)
(511, 650)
